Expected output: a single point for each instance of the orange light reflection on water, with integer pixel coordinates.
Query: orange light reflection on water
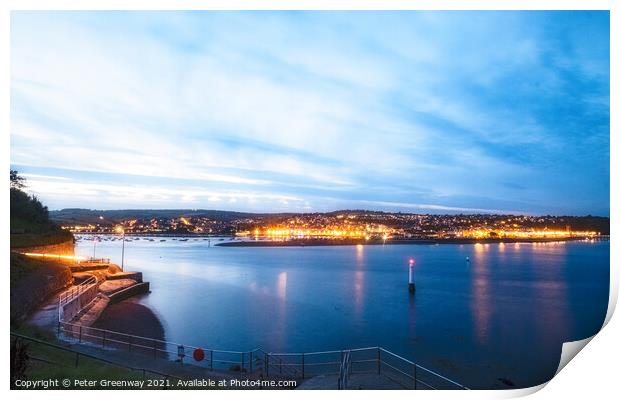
(481, 308)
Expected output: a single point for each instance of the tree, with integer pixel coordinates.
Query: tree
(28, 214)
(17, 181)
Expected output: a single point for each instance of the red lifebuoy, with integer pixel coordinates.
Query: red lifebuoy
(199, 354)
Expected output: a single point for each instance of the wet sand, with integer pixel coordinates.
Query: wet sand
(130, 317)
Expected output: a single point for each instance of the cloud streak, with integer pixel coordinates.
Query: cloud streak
(454, 110)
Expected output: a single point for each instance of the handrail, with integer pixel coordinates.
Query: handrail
(422, 368)
(55, 346)
(324, 352)
(150, 339)
(76, 290)
(345, 371)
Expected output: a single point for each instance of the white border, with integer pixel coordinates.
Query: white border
(592, 374)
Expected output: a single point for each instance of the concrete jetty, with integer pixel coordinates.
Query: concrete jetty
(112, 286)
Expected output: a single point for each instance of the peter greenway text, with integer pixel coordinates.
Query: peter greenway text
(154, 383)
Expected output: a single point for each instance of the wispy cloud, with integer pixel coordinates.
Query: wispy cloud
(450, 110)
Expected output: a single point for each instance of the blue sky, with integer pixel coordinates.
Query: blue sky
(442, 112)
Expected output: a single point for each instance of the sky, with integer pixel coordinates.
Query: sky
(440, 112)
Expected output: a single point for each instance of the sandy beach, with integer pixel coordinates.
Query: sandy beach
(130, 317)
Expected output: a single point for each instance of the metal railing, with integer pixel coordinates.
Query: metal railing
(412, 375)
(75, 362)
(92, 260)
(345, 371)
(241, 361)
(343, 363)
(76, 290)
(367, 360)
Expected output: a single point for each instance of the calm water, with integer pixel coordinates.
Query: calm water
(505, 314)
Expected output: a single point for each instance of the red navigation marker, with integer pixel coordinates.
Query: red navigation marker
(199, 354)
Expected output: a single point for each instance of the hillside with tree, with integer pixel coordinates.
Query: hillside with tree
(30, 222)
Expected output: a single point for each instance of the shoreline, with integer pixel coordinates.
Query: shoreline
(131, 317)
(355, 242)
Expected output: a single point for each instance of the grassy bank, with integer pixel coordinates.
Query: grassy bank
(32, 281)
(25, 240)
(43, 362)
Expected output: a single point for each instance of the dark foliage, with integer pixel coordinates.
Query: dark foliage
(17, 182)
(19, 361)
(28, 208)
(30, 222)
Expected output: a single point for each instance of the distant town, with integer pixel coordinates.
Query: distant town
(345, 224)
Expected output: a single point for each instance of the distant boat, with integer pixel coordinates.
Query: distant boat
(162, 240)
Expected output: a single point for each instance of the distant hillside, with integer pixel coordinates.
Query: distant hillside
(80, 216)
(85, 216)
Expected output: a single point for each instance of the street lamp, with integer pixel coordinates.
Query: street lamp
(95, 239)
(120, 229)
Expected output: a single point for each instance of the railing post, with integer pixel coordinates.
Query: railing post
(266, 364)
(211, 360)
(280, 366)
(415, 376)
(242, 361)
(350, 363)
(251, 359)
(303, 366)
(379, 360)
(80, 338)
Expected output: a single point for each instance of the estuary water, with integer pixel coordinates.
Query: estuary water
(500, 317)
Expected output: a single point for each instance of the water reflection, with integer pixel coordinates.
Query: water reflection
(358, 284)
(281, 287)
(550, 290)
(281, 321)
(480, 304)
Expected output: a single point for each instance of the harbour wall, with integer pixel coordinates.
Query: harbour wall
(64, 248)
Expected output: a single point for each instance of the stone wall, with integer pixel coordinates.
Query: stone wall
(33, 281)
(138, 288)
(64, 248)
